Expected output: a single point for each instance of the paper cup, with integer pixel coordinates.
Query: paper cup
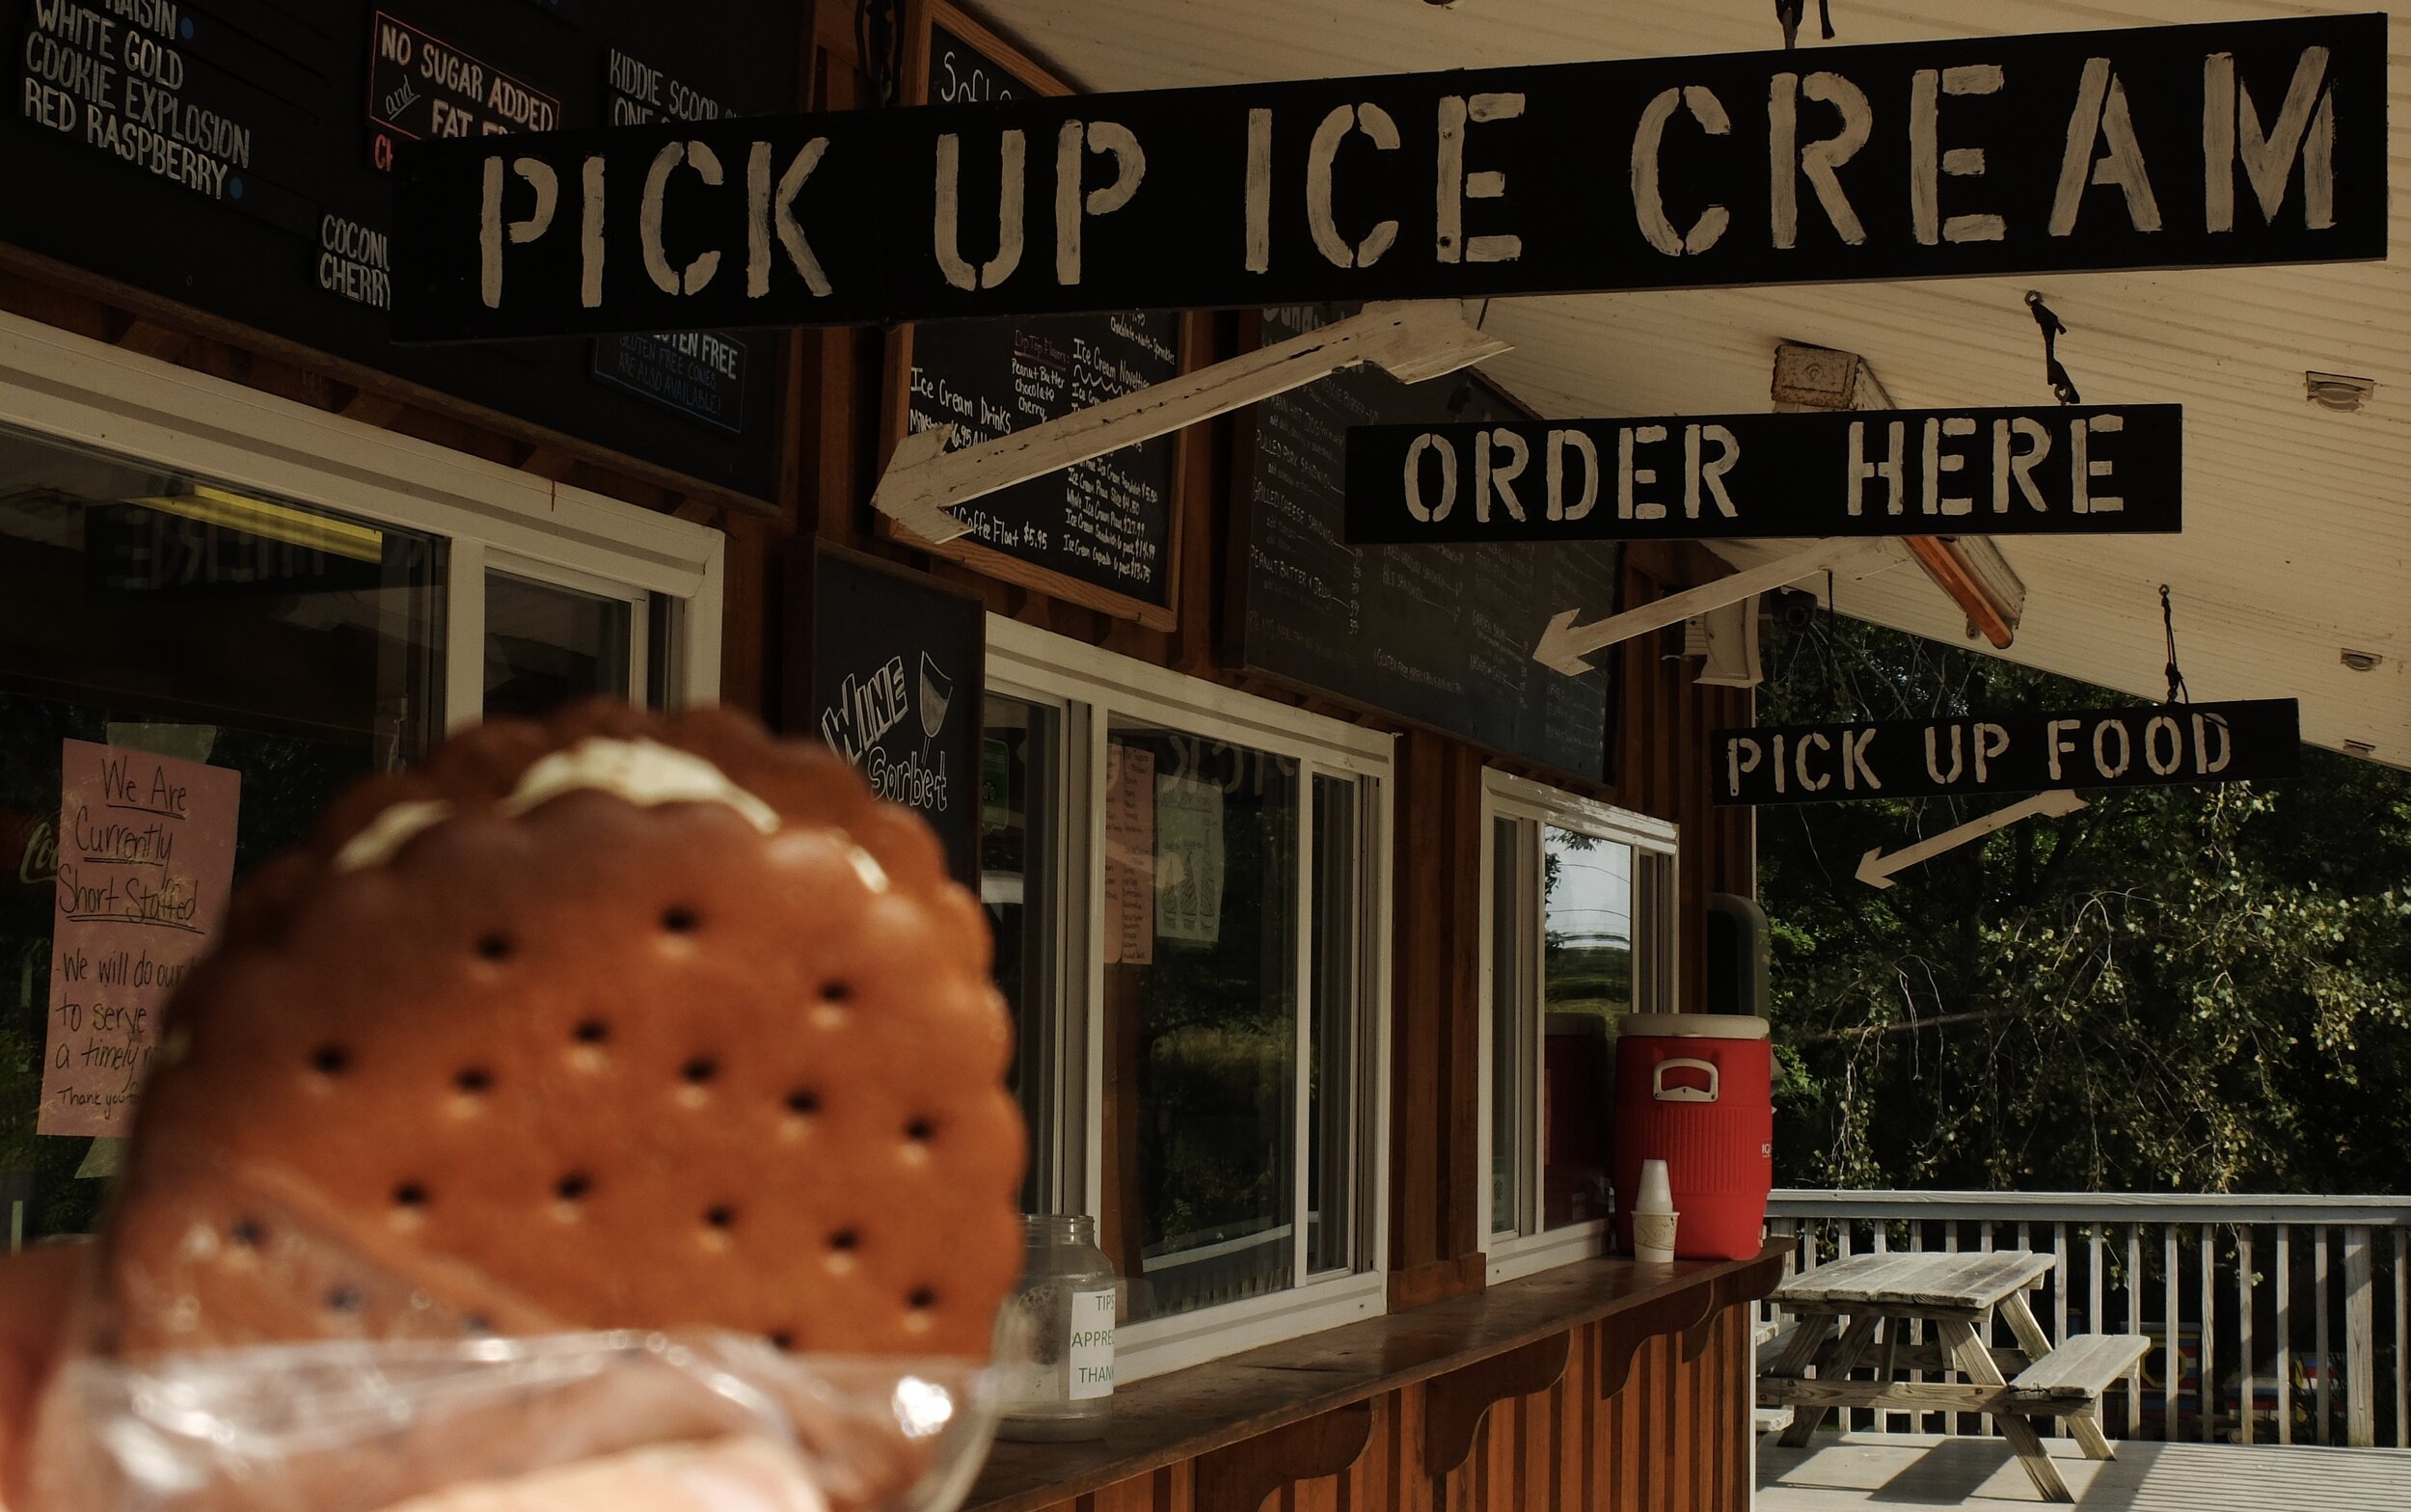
(1657, 1195)
(1653, 1236)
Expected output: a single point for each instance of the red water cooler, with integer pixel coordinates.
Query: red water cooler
(1697, 1091)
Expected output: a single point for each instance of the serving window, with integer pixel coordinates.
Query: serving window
(1191, 904)
(246, 605)
(1578, 930)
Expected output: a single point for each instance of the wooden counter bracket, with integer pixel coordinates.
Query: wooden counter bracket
(1239, 1476)
(1455, 1404)
(1733, 1289)
(1408, 341)
(1621, 1334)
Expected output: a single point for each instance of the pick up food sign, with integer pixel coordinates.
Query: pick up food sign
(2190, 146)
(2158, 745)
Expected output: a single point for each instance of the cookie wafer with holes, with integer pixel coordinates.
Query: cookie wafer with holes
(613, 1022)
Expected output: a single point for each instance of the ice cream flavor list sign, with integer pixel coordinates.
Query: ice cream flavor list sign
(1129, 856)
(145, 858)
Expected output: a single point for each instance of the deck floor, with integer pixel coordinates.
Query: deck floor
(1907, 1473)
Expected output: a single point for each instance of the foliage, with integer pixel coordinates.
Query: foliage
(2174, 989)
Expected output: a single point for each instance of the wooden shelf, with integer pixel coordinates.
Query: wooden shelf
(1191, 1413)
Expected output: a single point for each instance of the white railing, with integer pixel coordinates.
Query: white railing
(2296, 1310)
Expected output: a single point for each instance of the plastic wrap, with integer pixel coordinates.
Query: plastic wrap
(243, 1342)
(332, 1426)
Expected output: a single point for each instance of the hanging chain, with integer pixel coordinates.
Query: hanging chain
(878, 42)
(2053, 327)
(1789, 12)
(2177, 692)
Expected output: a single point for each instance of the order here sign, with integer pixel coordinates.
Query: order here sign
(2021, 753)
(2053, 470)
(2252, 142)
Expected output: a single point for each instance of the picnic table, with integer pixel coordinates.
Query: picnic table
(1958, 1296)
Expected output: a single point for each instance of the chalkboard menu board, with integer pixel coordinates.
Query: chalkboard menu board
(231, 155)
(887, 665)
(1101, 533)
(1439, 635)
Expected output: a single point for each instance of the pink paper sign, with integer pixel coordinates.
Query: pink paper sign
(146, 859)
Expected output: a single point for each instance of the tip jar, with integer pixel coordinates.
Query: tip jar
(1064, 1308)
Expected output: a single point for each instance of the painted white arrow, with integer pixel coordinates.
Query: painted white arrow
(1408, 341)
(1876, 869)
(1564, 644)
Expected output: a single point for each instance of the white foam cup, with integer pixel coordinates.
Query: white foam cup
(1657, 1194)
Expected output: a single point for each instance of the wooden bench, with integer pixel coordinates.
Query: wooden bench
(2070, 1380)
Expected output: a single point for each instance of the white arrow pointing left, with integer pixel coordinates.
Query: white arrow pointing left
(924, 481)
(1876, 869)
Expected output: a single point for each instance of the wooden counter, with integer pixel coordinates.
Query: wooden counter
(1218, 1438)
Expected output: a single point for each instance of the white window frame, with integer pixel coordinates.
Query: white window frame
(1511, 1252)
(545, 575)
(1093, 687)
(87, 393)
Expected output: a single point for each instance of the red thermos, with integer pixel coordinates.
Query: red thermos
(1697, 1091)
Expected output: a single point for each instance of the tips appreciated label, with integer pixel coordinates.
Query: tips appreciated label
(1089, 1357)
(146, 860)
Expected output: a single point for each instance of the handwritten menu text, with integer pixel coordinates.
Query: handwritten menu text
(146, 859)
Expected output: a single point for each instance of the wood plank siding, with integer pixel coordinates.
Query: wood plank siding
(1673, 1437)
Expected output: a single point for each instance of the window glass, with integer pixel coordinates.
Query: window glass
(663, 680)
(1509, 1002)
(546, 645)
(1586, 986)
(1331, 1073)
(1020, 750)
(168, 616)
(1201, 936)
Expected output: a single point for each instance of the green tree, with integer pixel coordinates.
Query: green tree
(2174, 988)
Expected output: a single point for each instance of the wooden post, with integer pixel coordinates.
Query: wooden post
(2173, 1356)
(2327, 1353)
(2360, 1343)
(2243, 1312)
(2403, 1340)
(2206, 1394)
(2285, 1334)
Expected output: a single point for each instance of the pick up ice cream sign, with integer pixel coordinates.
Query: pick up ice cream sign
(2219, 144)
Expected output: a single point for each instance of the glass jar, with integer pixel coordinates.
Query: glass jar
(1063, 1387)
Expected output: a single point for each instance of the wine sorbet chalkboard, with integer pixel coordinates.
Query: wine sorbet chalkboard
(232, 155)
(1441, 634)
(1101, 532)
(885, 664)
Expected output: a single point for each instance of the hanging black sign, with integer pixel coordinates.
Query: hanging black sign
(891, 678)
(2048, 471)
(2152, 746)
(2165, 146)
